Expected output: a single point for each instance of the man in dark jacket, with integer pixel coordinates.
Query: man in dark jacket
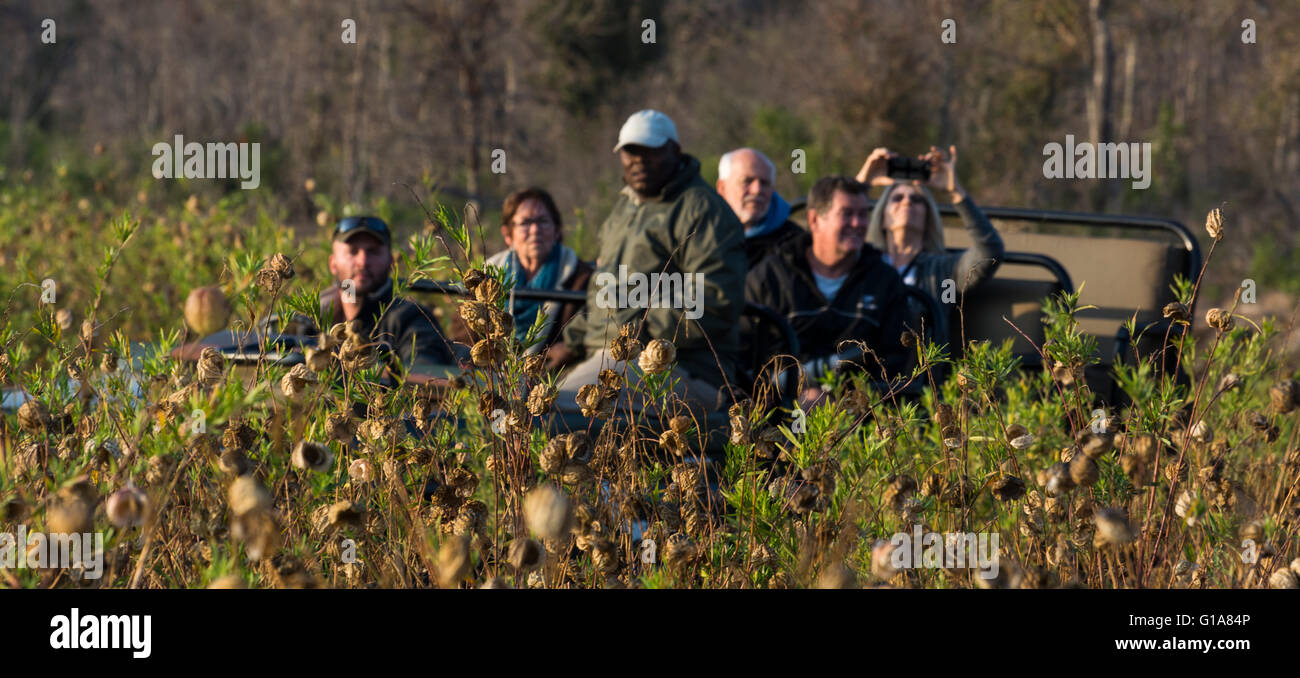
(745, 179)
(361, 262)
(667, 221)
(833, 287)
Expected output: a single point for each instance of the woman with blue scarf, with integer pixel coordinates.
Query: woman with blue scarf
(536, 259)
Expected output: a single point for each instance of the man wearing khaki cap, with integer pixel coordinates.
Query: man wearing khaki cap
(667, 221)
(361, 261)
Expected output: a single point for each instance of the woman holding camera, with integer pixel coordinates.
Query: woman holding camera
(906, 226)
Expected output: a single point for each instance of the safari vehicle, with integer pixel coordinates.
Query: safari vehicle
(1126, 267)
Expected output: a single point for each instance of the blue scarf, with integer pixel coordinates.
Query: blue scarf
(777, 212)
(525, 310)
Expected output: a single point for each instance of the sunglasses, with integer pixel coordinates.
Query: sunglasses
(349, 224)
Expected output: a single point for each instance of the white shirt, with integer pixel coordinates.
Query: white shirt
(829, 287)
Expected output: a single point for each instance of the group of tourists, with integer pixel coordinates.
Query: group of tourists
(844, 280)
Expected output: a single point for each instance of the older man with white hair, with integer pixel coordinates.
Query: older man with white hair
(745, 179)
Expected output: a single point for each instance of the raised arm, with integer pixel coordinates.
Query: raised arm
(980, 261)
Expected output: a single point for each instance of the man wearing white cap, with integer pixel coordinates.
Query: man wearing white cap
(667, 220)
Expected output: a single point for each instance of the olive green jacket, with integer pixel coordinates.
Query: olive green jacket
(687, 229)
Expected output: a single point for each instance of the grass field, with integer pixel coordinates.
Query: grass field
(202, 475)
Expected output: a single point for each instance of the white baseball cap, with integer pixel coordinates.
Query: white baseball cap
(647, 128)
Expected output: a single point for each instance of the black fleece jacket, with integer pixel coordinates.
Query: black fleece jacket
(870, 306)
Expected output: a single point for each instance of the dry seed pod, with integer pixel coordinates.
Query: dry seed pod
(318, 360)
(604, 557)
(345, 514)
(944, 415)
(592, 402)
(1112, 527)
(238, 436)
(311, 456)
(856, 403)
(338, 333)
(234, 462)
(1056, 479)
(1219, 319)
(762, 555)
(34, 417)
(361, 471)
(80, 488)
(899, 489)
(339, 426)
(295, 382)
(473, 277)
(1284, 396)
(534, 365)
(625, 346)
(1008, 488)
(453, 561)
(837, 576)
(658, 356)
(1229, 382)
(69, 514)
(212, 365)
(933, 485)
(268, 280)
(671, 442)
(1134, 468)
(14, 509)
(488, 353)
(882, 566)
(281, 265)
(1065, 374)
(1015, 431)
(1083, 471)
(1253, 530)
(503, 324)
(488, 290)
(575, 474)
(1214, 224)
(526, 555)
(547, 512)
(1094, 445)
(952, 436)
(477, 317)
(553, 456)
(159, 468)
(1283, 579)
(247, 495)
(578, 446)
(1176, 312)
(207, 310)
(679, 551)
(611, 380)
(1144, 446)
(1200, 432)
(259, 533)
(541, 398)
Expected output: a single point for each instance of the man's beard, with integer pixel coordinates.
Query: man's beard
(371, 286)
